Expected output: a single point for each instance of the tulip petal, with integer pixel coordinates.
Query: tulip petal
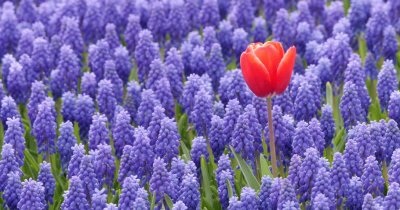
(255, 74)
(269, 56)
(285, 70)
(279, 48)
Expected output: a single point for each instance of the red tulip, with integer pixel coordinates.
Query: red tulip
(266, 69)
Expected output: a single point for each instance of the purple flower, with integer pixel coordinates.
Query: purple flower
(333, 13)
(111, 36)
(157, 23)
(8, 163)
(25, 43)
(233, 86)
(69, 68)
(160, 179)
(132, 31)
(99, 200)
(110, 73)
(303, 109)
(129, 191)
(387, 83)
(12, 190)
(145, 52)
(7, 61)
(141, 201)
(112, 15)
(233, 111)
(371, 178)
(239, 42)
(392, 199)
(283, 28)
(123, 64)
(242, 139)
(249, 198)
(44, 128)
(216, 135)
(350, 106)
(17, 85)
(340, 53)
(327, 124)
(89, 84)
(287, 194)
(142, 155)
(216, 65)
(302, 139)
(68, 106)
(260, 31)
(355, 73)
(179, 205)
(91, 26)
(391, 137)
(168, 140)
(132, 99)
(106, 99)
(71, 35)
(84, 110)
(104, 164)
(146, 108)
(375, 27)
(75, 197)
(222, 178)
(47, 179)
(163, 92)
(189, 192)
(14, 135)
(202, 112)
(358, 15)
(323, 185)
(389, 44)
(234, 203)
(192, 11)
(41, 57)
(126, 163)
(179, 23)
(32, 195)
(9, 31)
(340, 178)
(224, 36)
(122, 132)
(99, 53)
(198, 61)
(9, 109)
(369, 203)
(264, 194)
(199, 149)
(308, 173)
(65, 142)
(78, 151)
(98, 132)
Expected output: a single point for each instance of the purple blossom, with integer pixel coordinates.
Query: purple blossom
(32, 195)
(129, 192)
(98, 133)
(104, 164)
(75, 197)
(84, 110)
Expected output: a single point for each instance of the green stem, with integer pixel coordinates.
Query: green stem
(272, 139)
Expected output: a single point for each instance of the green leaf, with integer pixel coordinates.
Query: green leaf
(153, 201)
(230, 189)
(246, 171)
(339, 140)
(169, 202)
(206, 183)
(264, 166)
(329, 94)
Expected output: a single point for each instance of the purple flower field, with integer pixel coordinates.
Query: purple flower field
(142, 105)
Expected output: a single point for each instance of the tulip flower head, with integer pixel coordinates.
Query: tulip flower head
(266, 68)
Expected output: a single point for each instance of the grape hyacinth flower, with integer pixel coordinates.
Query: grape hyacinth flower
(145, 52)
(12, 190)
(99, 200)
(302, 139)
(394, 106)
(199, 149)
(68, 106)
(129, 193)
(392, 199)
(287, 194)
(65, 142)
(160, 179)
(354, 163)
(131, 33)
(32, 196)
(350, 106)
(41, 57)
(89, 84)
(17, 85)
(104, 164)
(387, 83)
(216, 65)
(14, 135)
(75, 197)
(209, 38)
(168, 140)
(132, 98)
(146, 107)
(123, 63)
(106, 98)
(189, 192)
(8, 163)
(158, 21)
(327, 124)
(371, 178)
(308, 173)
(242, 138)
(78, 151)
(98, 132)
(177, 15)
(25, 43)
(122, 132)
(209, 13)
(111, 36)
(71, 35)
(162, 89)
(390, 142)
(44, 129)
(84, 110)
(249, 198)
(88, 177)
(142, 155)
(202, 112)
(99, 53)
(47, 179)
(141, 201)
(110, 73)
(239, 42)
(198, 61)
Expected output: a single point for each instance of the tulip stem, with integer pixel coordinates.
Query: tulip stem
(272, 139)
